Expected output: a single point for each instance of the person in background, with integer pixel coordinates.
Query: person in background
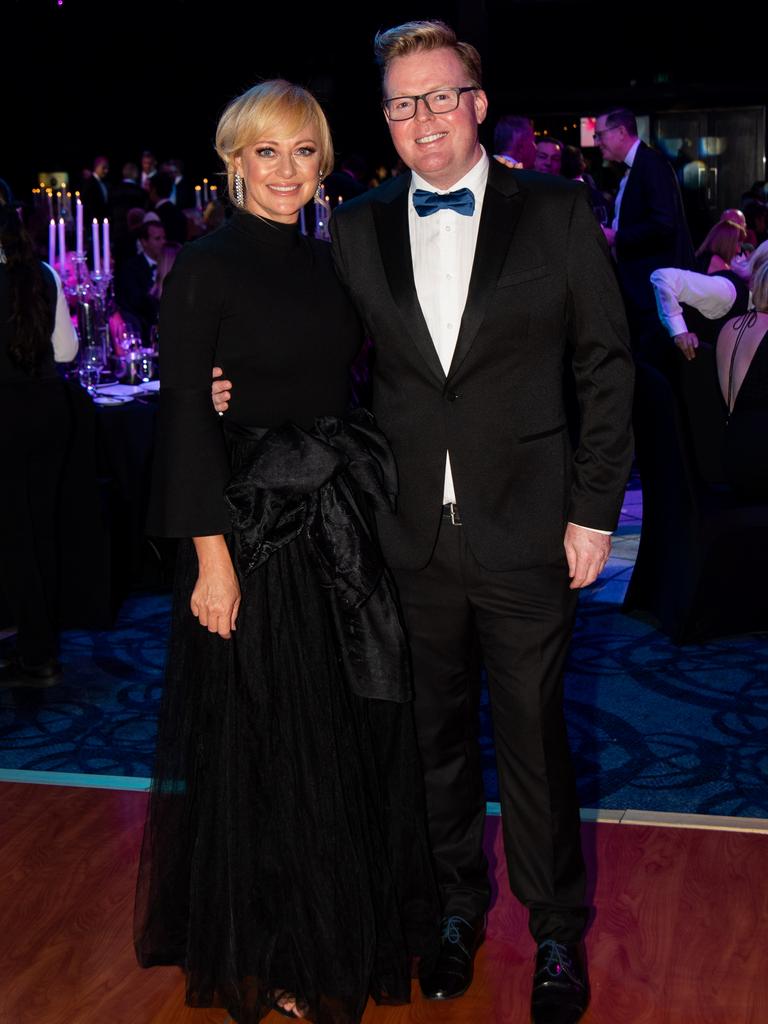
(167, 258)
(36, 333)
(171, 217)
(514, 143)
(549, 156)
(649, 228)
(135, 278)
(148, 168)
(95, 193)
(719, 249)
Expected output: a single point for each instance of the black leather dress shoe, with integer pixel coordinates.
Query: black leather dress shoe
(560, 986)
(452, 973)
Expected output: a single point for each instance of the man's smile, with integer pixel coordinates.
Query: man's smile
(430, 138)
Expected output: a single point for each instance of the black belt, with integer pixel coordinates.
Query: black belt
(450, 511)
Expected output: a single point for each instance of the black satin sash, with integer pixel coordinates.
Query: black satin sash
(292, 481)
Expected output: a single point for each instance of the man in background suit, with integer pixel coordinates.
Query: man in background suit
(476, 283)
(649, 229)
(473, 280)
(135, 277)
(171, 217)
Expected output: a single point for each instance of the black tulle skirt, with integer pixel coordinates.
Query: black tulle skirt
(285, 846)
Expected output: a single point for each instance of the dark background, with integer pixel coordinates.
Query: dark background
(82, 78)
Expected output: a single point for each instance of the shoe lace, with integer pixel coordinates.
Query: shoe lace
(452, 934)
(558, 960)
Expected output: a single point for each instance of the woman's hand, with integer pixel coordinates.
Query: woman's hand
(221, 391)
(215, 600)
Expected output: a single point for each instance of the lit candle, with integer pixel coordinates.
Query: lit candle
(51, 242)
(59, 208)
(80, 248)
(96, 250)
(214, 191)
(107, 254)
(62, 247)
(198, 198)
(205, 190)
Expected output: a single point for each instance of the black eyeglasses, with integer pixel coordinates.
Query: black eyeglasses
(439, 101)
(598, 135)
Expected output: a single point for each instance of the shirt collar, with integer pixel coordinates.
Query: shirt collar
(475, 179)
(629, 159)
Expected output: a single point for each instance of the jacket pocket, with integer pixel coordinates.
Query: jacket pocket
(522, 276)
(544, 433)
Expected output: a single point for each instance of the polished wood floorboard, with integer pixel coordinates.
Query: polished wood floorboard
(679, 935)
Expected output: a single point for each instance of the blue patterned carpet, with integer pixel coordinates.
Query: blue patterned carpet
(653, 726)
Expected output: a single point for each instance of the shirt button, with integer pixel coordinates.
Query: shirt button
(449, 276)
(447, 227)
(449, 326)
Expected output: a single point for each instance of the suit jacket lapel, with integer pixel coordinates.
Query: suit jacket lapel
(391, 218)
(502, 206)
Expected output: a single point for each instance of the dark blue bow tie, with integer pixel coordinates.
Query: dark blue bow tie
(461, 201)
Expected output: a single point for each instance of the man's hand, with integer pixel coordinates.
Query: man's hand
(220, 391)
(586, 552)
(687, 342)
(610, 235)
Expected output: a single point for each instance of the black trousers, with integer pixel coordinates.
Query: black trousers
(36, 421)
(520, 624)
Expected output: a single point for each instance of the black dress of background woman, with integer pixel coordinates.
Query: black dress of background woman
(35, 423)
(285, 848)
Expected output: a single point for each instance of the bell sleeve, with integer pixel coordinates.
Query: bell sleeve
(191, 464)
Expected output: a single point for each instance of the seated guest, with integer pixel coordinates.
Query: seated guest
(35, 334)
(573, 167)
(136, 275)
(742, 370)
(694, 307)
(171, 217)
(514, 143)
(756, 213)
(549, 155)
(719, 248)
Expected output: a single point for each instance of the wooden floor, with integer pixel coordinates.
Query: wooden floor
(679, 937)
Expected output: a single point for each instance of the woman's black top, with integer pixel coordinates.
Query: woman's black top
(263, 302)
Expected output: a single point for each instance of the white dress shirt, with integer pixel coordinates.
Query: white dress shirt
(64, 337)
(712, 296)
(443, 251)
(629, 159)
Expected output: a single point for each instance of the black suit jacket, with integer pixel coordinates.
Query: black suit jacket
(542, 291)
(652, 230)
(133, 282)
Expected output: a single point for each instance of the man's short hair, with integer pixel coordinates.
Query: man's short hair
(143, 232)
(621, 117)
(508, 130)
(421, 36)
(552, 140)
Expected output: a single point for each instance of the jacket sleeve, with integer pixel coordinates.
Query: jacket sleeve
(661, 205)
(191, 463)
(604, 375)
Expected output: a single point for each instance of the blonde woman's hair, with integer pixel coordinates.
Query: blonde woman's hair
(421, 36)
(759, 287)
(263, 107)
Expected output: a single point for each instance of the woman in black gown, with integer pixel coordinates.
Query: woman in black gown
(285, 861)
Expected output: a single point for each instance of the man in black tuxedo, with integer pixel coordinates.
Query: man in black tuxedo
(473, 300)
(135, 278)
(649, 228)
(95, 192)
(476, 283)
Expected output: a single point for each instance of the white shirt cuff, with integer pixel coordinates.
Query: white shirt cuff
(605, 533)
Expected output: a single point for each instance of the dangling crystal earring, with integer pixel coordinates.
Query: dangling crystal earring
(318, 190)
(239, 190)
